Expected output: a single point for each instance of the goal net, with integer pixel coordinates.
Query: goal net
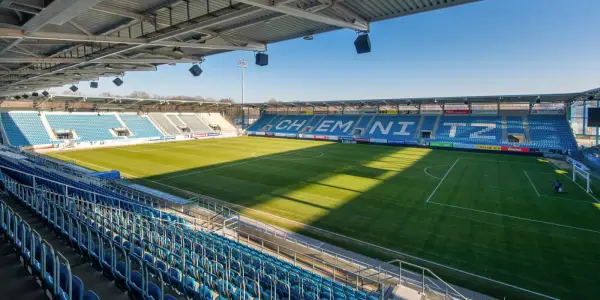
(581, 174)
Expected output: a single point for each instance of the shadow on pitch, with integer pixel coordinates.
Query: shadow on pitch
(375, 194)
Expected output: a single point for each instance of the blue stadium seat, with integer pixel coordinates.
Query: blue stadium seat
(290, 124)
(486, 130)
(87, 127)
(551, 132)
(196, 264)
(394, 127)
(90, 295)
(262, 122)
(140, 126)
(24, 129)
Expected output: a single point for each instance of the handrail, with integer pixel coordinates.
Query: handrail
(69, 292)
(180, 225)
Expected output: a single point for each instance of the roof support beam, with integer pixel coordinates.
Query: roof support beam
(216, 18)
(58, 11)
(299, 13)
(98, 71)
(63, 60)
(68, 37)
(118, 12)
(142, 17)
(79, 27)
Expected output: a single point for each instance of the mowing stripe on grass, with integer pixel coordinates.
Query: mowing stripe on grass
(534, 188)
(235, 164)
(438, 186)
(517, 218)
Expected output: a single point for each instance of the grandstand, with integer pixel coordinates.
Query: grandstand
(201, 213)
(39, 130)
(449, 122)
(177, 228)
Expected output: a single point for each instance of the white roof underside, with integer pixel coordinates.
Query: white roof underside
(46, 43)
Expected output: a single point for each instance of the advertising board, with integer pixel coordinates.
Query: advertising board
(456, 111)
(488, 147)
(464, 146)
(378, 141)
(515, 149)
(441, 144)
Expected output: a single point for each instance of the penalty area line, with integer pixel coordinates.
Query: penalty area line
(425, 170)
(517, 218)
(445, 175)
(533, 185)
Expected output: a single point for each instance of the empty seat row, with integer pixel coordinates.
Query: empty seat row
(146, 252)
(87, 127)
(49, 267)
(24, 129)
(547, 132)
(140, 126)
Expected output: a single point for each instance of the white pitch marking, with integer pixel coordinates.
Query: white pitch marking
(438, 186)
(534, 188)
(297, 158)
(518, 218)
(425, 170)
(577, 184)
(387, 249)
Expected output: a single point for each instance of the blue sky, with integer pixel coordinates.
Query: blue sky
(485, 48)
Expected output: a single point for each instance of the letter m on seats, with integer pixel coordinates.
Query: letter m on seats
(345, 126)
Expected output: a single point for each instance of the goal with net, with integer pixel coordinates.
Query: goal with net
(581, 173)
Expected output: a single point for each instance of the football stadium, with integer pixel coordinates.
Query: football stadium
(105, 197)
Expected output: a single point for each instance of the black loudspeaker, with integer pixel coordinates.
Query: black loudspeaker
(196, 70)
(262, 59)
(94, 84)
(118, 81)
(35, 94)
(362, 44)
(74, 88)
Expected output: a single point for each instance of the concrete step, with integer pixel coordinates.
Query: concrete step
(15, 280)
(80, 267)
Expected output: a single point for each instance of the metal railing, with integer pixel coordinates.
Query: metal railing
(214, 207)
(21, 190)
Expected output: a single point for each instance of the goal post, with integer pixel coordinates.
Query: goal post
(581, 171)
(577, 171)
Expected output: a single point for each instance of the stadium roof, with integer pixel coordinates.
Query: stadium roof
(42, 102)
(571, 97)
(46, 43)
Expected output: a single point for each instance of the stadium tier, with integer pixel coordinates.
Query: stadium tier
(145, 251)
(87, 128)
(195, 124)
(23, 129)
(140, 126)
(551, 132)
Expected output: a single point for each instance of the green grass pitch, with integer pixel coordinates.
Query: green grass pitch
(489, 214)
